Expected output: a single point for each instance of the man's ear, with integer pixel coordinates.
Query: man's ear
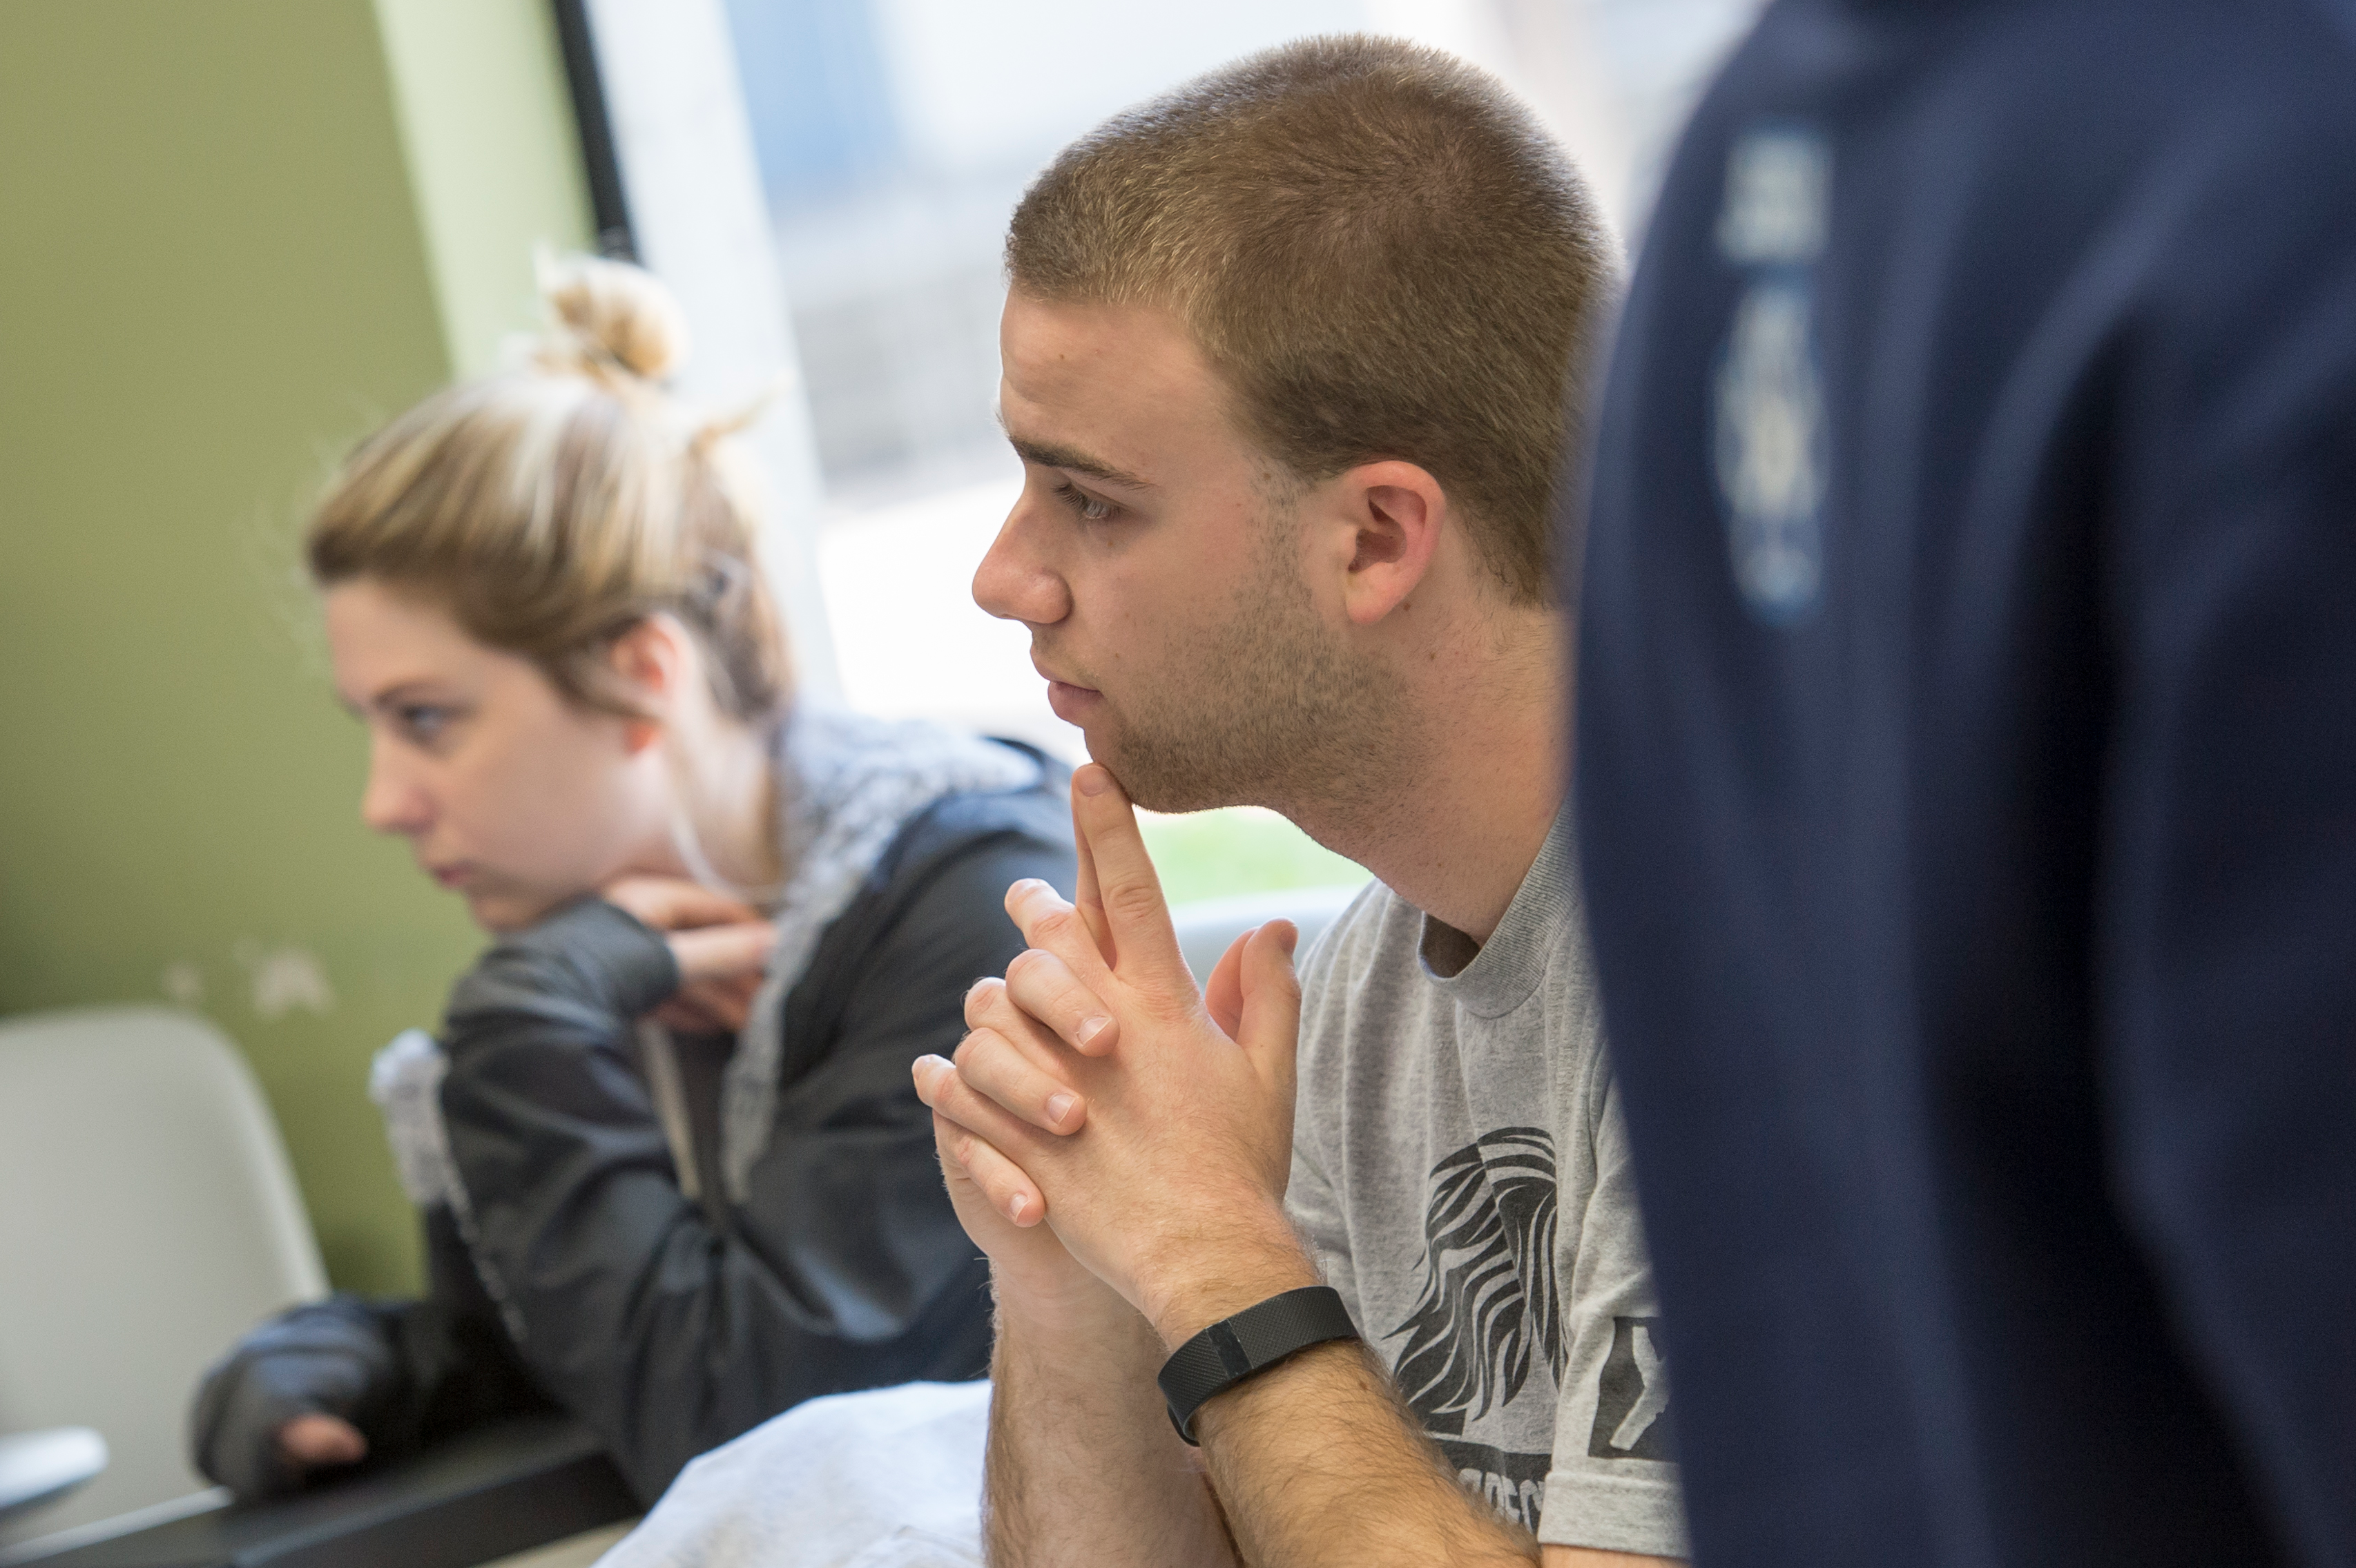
(1398, 511)
(653, 664)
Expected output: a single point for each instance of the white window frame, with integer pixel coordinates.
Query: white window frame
(672, 174)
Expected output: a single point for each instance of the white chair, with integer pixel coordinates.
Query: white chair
(1207, 926)
(39, 1468)
(147, 1218)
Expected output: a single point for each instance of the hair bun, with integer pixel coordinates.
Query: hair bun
(613, 311)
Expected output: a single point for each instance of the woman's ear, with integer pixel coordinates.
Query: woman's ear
(1397, 511)
(654, 662)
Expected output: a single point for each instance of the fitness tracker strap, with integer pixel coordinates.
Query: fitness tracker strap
(1252, 1341)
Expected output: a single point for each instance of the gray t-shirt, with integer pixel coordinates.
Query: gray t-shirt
(1459, 1166)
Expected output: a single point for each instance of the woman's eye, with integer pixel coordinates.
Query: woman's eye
(1087, 507)
(423, 723)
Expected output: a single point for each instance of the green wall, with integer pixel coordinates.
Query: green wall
(237, 234)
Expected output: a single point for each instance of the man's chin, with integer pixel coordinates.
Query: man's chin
(1155, 780)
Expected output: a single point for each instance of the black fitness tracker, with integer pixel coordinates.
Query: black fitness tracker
(1252, 1341)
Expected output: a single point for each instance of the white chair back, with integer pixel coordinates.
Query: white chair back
(1207, 927)
(147, 1218)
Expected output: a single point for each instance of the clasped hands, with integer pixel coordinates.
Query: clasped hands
(1148, 1123)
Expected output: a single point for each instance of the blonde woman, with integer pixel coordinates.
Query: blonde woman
(673, 1174)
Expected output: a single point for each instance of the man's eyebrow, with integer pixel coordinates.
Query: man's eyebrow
(1046, 455)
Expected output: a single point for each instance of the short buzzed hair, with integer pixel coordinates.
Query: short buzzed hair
(1376, 248)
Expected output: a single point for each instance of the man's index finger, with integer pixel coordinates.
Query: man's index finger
(1128, 888)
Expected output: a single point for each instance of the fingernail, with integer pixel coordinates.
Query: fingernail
(1092, 779)
(1059, 1107)
(1016, 1207)
(1091, 1027)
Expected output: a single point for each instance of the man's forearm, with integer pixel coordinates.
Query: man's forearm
(1084, 1467)
(1318, 1463)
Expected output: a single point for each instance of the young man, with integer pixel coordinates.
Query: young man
(1285, 356)
(1968, 764)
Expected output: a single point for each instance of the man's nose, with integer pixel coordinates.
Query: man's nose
(1014, 583)
(391, 802)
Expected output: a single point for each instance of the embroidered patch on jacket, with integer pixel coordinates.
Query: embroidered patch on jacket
(1770, 447)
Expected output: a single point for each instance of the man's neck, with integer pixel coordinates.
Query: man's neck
(1458, 826)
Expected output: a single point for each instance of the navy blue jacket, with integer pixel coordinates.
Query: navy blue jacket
(1966, 777)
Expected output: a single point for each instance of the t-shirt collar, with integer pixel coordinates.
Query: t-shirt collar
(1510, 964)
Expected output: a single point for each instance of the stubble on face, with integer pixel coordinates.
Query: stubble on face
(1266, 705)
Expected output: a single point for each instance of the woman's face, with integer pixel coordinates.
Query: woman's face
(506, 792)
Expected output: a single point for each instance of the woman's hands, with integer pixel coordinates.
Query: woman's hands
(722, 947)
(318, 1441)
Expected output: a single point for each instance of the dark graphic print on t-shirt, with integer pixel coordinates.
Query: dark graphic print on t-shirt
(1489, 1313)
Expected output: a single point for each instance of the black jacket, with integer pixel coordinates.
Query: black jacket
(669, 1323)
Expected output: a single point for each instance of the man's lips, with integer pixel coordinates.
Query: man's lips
(1071, 702)
(456, 874)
